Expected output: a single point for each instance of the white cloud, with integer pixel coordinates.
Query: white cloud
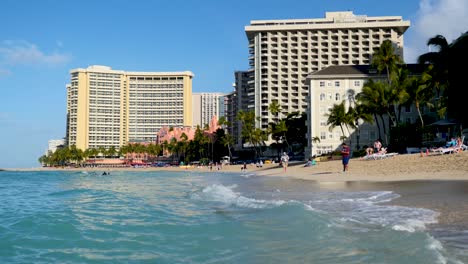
(436, 17)
(25, 53)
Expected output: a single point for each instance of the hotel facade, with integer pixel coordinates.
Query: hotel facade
(205, 106)
(283, 52)
(109, 108)
(332, 86)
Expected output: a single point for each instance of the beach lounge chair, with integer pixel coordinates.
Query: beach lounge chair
(450, 150)
(378, 156)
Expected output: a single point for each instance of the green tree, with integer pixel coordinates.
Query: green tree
(112, 151)
(275, 109)
(386, 59)
(227, 140)
(249, 132)
(420, 94)
(337, 117)
(373, 100)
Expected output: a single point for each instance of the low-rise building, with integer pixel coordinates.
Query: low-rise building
(334, 85)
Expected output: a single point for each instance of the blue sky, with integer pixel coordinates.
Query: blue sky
(40, 41)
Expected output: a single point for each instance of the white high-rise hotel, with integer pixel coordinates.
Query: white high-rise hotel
(205, 106)
(284, 52)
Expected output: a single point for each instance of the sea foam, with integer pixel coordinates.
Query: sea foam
(227, 195)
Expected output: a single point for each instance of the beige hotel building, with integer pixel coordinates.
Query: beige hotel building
(284, 52)
(108, 107)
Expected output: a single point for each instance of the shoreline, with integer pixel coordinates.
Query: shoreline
(407, 167)
(438, 183)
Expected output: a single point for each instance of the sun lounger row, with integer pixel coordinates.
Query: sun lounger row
(449, 150)
(377, 156)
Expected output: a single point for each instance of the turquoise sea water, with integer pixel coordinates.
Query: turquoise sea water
(191, 217)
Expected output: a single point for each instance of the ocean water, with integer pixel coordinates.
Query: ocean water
(193, 217)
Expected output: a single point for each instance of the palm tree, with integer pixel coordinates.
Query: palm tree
(275, 109)
(337, 117)
(438, 69)
(385, 58)
(247, 120)
(439, 57)
(182, 144)
(373, 99)
(173, 148)
(93, 152)
(227, 140)
(420, 93)
(102, 151)
(398, 93)
(111, 151)
(357, 113)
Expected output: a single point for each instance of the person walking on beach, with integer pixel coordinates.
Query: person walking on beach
(345, 153)
(284, 161)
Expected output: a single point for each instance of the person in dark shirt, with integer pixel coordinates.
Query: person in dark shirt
(345, 154)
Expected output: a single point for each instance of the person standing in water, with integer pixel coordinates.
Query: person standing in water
(345, 153)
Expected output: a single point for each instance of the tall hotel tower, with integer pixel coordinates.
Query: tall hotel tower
(108, 107)
(284, 52)
(205, 106)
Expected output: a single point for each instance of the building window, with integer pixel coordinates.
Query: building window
(323, 122)
(408, 120)
(337, 97)
(329, 83)
(330, 96)
(330, 135)
(372, 135)
(337, 84)
(322, 96)
(323, 135)
(408, 109)
(322, 84)
(357, 83)
(322, 110)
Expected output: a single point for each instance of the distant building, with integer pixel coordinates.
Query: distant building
(230, 115)
(54, 144)
(205, 106)
(241, 100)
(108, 108)
(334, 85)
(284, 52)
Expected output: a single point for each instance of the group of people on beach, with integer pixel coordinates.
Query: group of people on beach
(455, 144)
(377, 148)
